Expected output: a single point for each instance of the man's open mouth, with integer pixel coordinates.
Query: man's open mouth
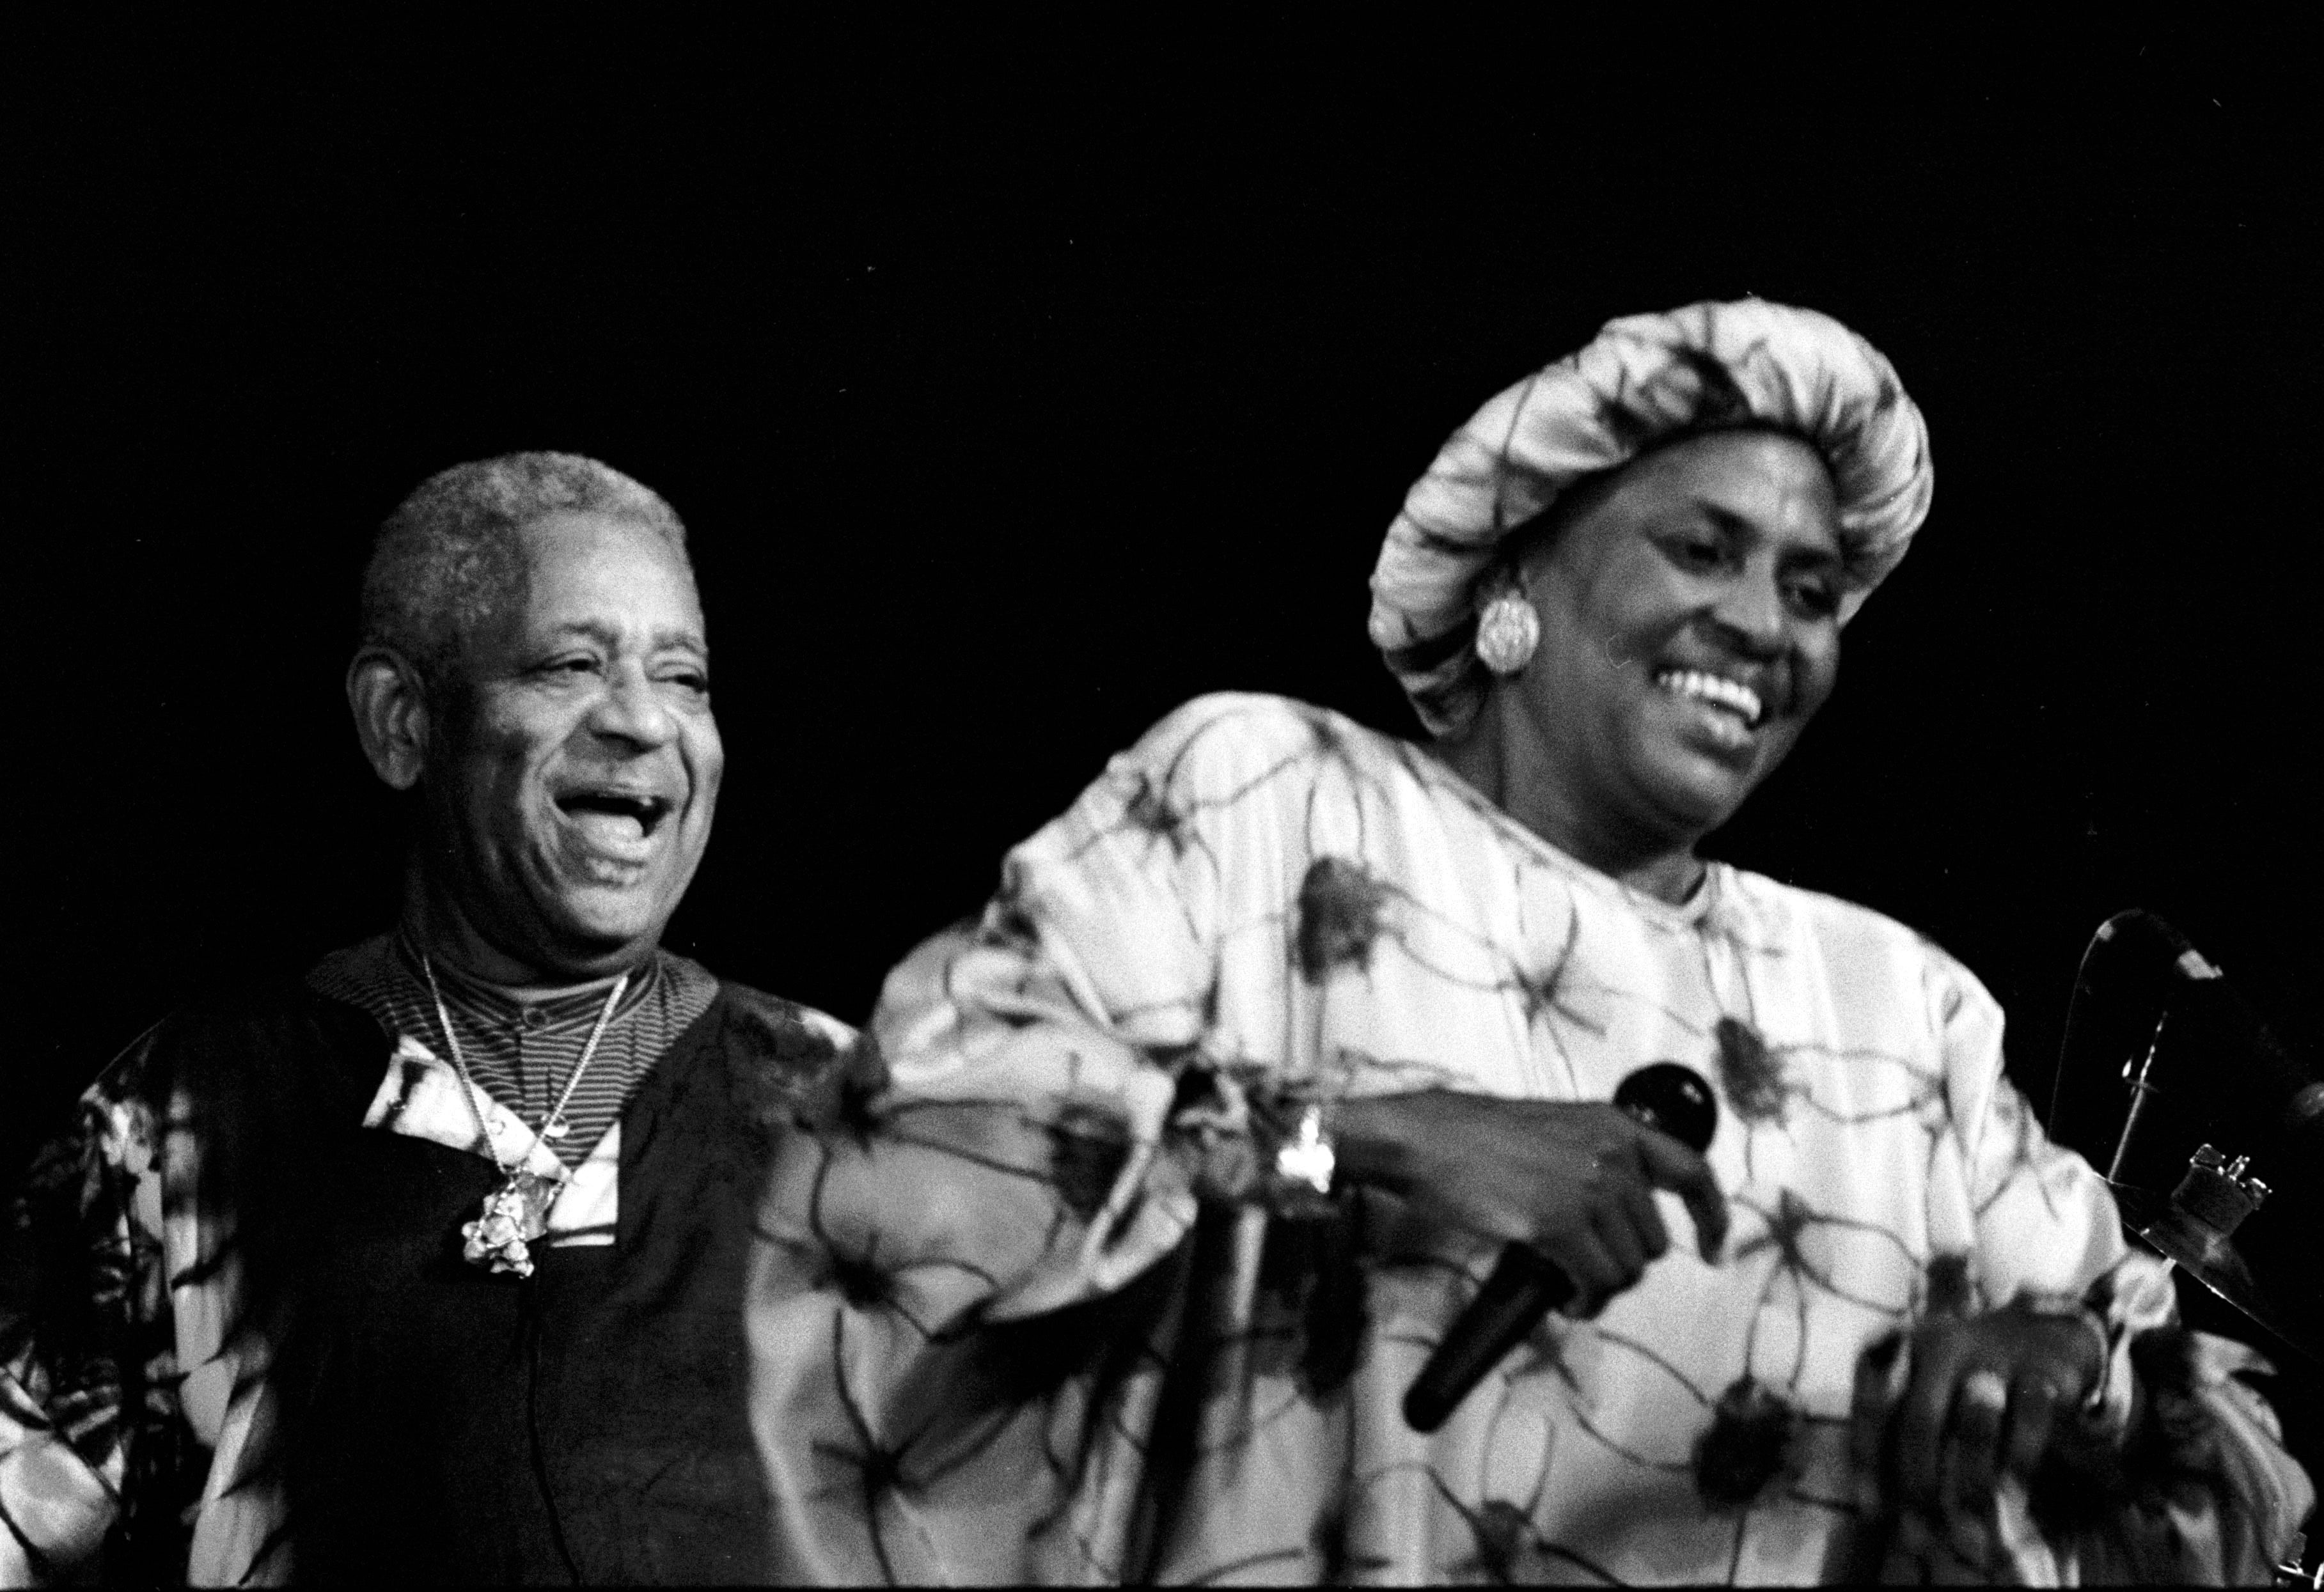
(616, 814)
(1718, 691)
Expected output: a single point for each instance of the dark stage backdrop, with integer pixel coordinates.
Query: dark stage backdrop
(1016, 388)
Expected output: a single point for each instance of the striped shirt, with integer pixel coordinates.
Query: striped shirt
(522, 1051)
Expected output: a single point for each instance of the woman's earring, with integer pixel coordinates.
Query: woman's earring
(1508, 631)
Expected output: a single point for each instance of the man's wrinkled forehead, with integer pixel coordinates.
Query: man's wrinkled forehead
(574, 550)
(563, 560)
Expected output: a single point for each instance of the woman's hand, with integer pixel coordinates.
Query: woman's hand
(1980, 1396)
(1573, 1181)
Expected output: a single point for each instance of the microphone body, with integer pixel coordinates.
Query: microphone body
(1524, 1284)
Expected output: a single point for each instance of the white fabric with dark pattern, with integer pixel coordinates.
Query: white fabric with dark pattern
(1055, 1333)
(1647, 379)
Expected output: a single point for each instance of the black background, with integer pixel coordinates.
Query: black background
(1017, 386)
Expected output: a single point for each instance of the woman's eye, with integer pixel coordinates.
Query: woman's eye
(1815, 600)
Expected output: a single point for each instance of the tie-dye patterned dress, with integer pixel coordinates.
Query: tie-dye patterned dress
(1027, 1313)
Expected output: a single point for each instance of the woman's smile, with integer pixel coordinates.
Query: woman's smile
(1738, 700)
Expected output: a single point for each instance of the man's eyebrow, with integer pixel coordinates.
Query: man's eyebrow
(584, 630)
(610, 637)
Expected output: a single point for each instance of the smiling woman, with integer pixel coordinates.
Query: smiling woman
(1688, 608)
(1290, 1040)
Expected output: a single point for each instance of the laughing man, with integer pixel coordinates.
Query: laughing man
(430, 1267)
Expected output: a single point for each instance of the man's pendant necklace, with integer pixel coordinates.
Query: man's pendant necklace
(516, 1212)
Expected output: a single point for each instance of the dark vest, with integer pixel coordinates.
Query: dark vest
(589, 1424)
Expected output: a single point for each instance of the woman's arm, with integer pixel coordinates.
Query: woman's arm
(1062, 1085)
(2060, 1406)
(1573, 1181)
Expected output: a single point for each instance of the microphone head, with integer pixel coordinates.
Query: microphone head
(1674, 1100)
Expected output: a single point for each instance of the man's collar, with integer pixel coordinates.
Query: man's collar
(555, 1004)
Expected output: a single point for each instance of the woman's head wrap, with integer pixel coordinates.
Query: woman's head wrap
(1647, 379)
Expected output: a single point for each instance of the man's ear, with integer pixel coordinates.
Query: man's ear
(390, 710)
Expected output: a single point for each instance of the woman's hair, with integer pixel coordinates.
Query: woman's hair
(450, 558)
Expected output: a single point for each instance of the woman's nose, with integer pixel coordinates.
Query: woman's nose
(1751, 608)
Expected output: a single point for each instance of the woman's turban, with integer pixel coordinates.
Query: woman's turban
(1647, 379)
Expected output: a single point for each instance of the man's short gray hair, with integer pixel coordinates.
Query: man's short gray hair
(449, 558)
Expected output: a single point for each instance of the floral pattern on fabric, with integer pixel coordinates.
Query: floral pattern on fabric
(1025, 1313)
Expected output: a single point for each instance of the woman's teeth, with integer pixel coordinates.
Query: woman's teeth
(1712, 688)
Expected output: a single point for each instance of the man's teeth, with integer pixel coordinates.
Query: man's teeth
(605, 812)
(1716, 688)
(609, 828)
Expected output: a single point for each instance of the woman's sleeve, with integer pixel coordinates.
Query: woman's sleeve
(2193, 1484)
(1051, 1117)
(92, 1442)
(969, 1270)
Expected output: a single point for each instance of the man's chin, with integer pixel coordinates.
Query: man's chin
(601, 930)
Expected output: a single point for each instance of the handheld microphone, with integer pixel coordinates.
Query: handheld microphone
(1525, 1284)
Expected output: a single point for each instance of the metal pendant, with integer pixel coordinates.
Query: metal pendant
(513, 1215)
(557, 1127)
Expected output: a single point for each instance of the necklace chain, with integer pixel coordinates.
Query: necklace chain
(475, 1097)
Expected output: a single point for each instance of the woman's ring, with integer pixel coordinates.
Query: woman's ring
(1985, 1386)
